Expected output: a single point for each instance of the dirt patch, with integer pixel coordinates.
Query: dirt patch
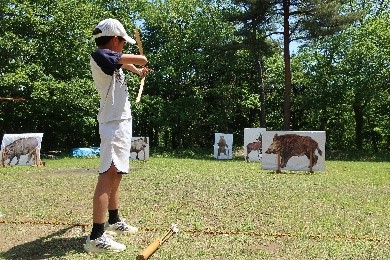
(34, 241)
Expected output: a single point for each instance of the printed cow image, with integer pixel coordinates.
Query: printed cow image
(22, 146)
(254, 146)
(222, 146)
(290, 145)
(138, 145)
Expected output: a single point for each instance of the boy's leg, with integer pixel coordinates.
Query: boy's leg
(115, 224)
(102, 194)
(113, 202)
(99, 241)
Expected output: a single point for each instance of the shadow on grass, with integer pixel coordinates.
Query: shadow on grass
(193, 153)
(361, 156)
(46, 247)
(290, 172)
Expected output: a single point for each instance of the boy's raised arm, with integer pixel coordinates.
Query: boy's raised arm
(133, 59)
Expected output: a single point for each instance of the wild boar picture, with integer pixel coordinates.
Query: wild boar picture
(19, 149)
(139, 146)
(293, 145)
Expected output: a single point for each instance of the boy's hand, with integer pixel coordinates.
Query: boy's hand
(143, 71)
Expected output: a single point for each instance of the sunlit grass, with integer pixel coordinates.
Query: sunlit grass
(342, 213)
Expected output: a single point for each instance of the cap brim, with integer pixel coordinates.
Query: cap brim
(129, 39)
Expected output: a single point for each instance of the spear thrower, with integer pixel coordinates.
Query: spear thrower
(147, 252)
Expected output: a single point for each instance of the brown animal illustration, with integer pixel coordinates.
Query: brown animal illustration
(254, 146)
(138, 145)
(19, 147)
(222, 146)
(290, 145)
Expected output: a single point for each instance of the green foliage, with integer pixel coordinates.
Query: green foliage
(190, 77)
(274, 86)
(70, 106)
(366, 70)
(345, 86)
(45, 50)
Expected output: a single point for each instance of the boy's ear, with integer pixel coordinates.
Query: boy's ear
(115, 39)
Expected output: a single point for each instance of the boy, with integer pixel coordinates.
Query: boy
(115, 129)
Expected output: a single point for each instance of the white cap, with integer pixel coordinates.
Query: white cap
(112, 27)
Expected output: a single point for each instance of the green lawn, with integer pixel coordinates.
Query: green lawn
(224, 210)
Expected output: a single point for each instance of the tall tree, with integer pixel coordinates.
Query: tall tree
(306, 20)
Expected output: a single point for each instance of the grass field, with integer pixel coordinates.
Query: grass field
(224, 210)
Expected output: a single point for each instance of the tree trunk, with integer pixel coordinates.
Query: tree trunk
(153, 137)
(287, 65)
(358, 126)
(259, 69)
(167, 139)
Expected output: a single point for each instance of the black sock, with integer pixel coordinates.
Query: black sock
(113, 216)
(97, 231)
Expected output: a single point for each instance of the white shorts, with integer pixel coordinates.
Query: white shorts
(115, 144)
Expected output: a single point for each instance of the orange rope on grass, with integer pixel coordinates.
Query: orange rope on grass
(211, 232)
(42, 222)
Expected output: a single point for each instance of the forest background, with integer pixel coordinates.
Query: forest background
(217, 66)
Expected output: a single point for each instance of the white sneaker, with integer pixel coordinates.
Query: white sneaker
(103, 244)
(120, 228)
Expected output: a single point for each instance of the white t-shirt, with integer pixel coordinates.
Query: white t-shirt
(111, 85)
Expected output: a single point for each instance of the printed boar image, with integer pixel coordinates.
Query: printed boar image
(290, 145)
(138, 145)
(22, 146)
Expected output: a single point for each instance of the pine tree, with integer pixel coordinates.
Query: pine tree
(307, 20)
(300, 20)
